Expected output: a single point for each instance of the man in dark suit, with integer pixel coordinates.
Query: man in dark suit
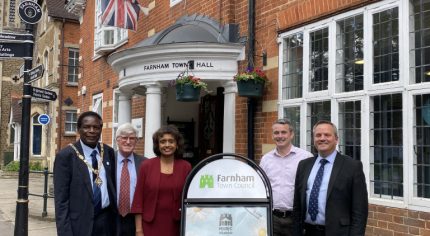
(84, 183)
(127, 170)
(330, 196)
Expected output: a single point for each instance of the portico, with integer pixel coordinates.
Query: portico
(153, 68)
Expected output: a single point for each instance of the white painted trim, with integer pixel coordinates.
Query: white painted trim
(159, 63)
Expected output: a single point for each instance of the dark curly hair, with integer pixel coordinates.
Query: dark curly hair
(172, 130)
(89, 113)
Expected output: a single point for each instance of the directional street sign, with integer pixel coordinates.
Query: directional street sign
(8, 50)
(18, 38)
(44, 119)
(43, 94)
(35, 73)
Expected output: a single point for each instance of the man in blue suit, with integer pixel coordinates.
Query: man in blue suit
(330, 196)
(84, 183)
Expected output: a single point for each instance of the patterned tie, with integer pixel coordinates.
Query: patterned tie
(313, 199)
(124, 193)
(97, 195)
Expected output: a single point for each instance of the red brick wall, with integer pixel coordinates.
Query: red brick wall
(98, 76)
(71, 36)
(388, 221)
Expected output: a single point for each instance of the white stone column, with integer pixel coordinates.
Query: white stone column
(229, 139)
(153, 115)
(124, 108)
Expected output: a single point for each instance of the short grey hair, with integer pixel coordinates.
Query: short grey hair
(125, 129)
(326, 122)
(285, 121)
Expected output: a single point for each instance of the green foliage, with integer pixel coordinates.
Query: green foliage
(14, 166)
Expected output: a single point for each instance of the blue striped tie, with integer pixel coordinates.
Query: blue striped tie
(313, 199)
(97, 195)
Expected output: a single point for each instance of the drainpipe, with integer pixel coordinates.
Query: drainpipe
(60, 90)
(251, 52)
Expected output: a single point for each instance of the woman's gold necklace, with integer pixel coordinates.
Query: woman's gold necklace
(167, 169)
(98, 180)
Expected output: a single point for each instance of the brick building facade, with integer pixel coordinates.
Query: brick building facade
(10, 86)
(330, 59)
(56, 47)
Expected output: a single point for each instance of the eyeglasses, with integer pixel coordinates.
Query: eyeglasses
(125, 138)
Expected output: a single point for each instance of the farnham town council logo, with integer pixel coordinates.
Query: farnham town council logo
(206, 181)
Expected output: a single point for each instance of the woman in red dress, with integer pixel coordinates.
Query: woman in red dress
(157, 197)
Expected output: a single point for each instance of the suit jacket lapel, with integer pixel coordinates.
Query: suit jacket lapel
(108, 167)
(337, 166)
(307, 171)
(137, 162)
(84, 169)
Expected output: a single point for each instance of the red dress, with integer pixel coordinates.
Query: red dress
(163, 224)
(158, 197)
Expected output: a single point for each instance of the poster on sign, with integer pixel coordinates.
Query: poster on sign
(231, 220)
(227, 194)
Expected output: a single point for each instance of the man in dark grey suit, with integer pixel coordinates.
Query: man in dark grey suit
(127, 170)
(330, 196)
(83, 183)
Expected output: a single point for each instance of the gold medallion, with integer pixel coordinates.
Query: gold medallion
(98, 181)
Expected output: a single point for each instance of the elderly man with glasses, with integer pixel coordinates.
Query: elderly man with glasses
(127, 169)
(280, 166)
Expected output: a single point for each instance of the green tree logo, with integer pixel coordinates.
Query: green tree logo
(206, 181)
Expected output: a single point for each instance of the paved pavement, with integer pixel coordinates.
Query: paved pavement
(37, 225)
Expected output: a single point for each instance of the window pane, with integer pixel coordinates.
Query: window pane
(71, 121)
(386, 160)
(73, 66)
(422, 146)
(97, 105)
(349, 54)
(419, 22)
(318, 60)
(386, 46)
(293, 67)
(350, 129)
(318, 111)
(293, 114)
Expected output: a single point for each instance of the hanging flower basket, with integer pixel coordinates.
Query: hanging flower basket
(187, 93)
(188, 88)
(250, 88)
(251, 83)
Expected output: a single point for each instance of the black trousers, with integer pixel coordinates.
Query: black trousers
(314, 230)
(282, 226)
(104, 223)
(126, 225)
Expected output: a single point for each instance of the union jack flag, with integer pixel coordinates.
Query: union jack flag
(120, 13)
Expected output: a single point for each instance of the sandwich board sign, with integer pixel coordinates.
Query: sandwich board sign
(227, 194)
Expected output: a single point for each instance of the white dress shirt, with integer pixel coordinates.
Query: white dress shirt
(103, 188)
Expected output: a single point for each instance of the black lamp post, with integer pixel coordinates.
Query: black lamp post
(21, 216)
